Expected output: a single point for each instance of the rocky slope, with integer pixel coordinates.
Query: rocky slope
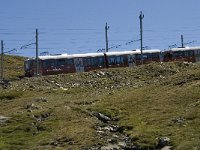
(154, 106)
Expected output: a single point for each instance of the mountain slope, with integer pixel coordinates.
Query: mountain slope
(114, 108)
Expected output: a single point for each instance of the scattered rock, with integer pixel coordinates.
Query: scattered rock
(110, 147)
(4, 119)
(41, 100)
(64, 89)
(113, 134)
(187, 63)
(112, 141)
(179, 120)
(163, 141)
(41, 117)
(32, 106)
(62, 142)
(101, 116)
(114, 128)
(197, 103)
(5, 83)
(167, 148)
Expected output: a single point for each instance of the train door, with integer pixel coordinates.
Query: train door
(78, 62)
(131, 60)
(197, 55)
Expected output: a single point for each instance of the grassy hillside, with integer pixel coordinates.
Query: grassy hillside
(142, 104)
(13, 67)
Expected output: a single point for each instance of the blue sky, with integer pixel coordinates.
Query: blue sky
(77, 26)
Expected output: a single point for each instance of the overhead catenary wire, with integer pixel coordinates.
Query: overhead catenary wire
(65, 43)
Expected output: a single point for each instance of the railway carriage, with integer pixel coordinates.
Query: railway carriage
(149, 56)
(62, 64)
(121, 59)
(189, 54)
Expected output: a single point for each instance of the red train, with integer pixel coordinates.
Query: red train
(62, 64)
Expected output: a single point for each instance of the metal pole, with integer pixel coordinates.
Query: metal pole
(37, 60)
(141, 36)
(106, 34)
(182, 45)
(2, 59)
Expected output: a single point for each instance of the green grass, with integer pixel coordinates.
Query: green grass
(151, 110)
(13, 67)
(9, 95)
(149, 101)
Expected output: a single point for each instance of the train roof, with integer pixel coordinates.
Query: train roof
(117, 53)
(121, 53)
(151, 51)
(62, 56)
(186, 48)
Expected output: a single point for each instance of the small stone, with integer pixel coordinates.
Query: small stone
(110, 147)
(163, 141)
(3, 119)
(122, 144)
(167, 148)
(114, 128)
(101, 116)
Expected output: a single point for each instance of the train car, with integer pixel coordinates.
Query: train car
(58, 64)
(121, 59)
(149, 56)
(88, 62)
(189, 54)
(62, 64)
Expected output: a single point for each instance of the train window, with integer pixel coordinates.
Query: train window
(91, 62)
(101, 61)
(155, 55)
(95, 61)
(178, 54)
(88, 62)
(49, 63)
(138, 57)
(189, 53)
(197, 52)
(111, 60)
(85, 61)
(146, 56)
(60, 62)
(33, 64)
(69, 61)
(119, 59)
(167, 55)
(125, 59)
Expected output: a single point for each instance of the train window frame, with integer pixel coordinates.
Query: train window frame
(155, 55)
(112, 60)
(178, 54)
(87, 62)
(189, 53)
(119, 60)
(69, 61)
(33, 64)
(62, 64)
(125, 59)
(146, 56)
(96, 61)
(47, 64)
(138, 57)
(101, 61)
